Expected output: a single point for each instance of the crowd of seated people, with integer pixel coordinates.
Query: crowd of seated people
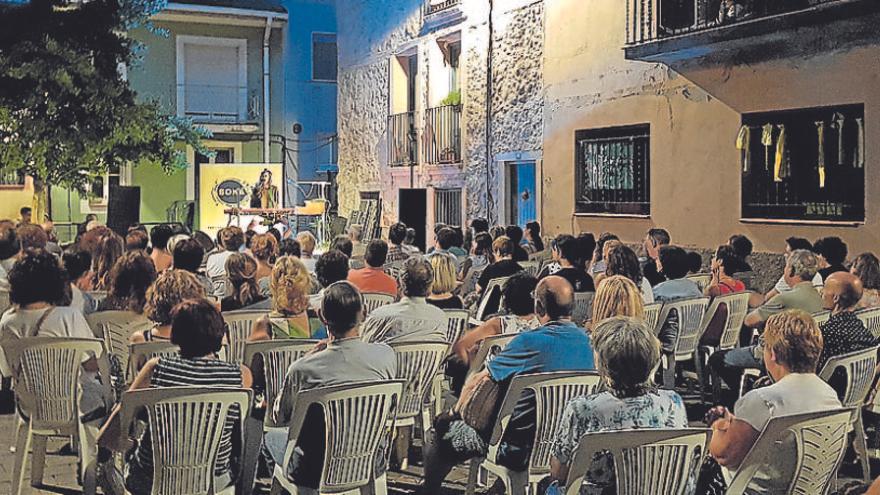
(182, 284)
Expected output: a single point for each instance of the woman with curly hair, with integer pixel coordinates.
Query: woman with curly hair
(289, 288)
(866, 266)
(265, 249)
(128, 282)
(108, 249)
(170, 289)
(241, 271)
(622, 260)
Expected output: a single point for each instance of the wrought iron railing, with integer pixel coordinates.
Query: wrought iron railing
(651, 20)
(613, 171)
(447, 206)
(443, 134)
(402, 144)
(435, 6)
(11, 178)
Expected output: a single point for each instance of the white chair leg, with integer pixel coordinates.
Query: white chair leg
(473, 474)
(861, 447)
(276, 488)
(514, 488)
(253, 440)
(22, 446)
(380, 485)
(88, 449)
(38, 459)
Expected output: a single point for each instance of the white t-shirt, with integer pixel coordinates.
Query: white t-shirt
(215, 269)
(647, 291)
(781, 286)
(63, 321)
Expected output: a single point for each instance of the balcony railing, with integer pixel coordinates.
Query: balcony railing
(11, 178)
(213, 102)
(653, 20)
(402, 144)
(434, 6)
(443, 134)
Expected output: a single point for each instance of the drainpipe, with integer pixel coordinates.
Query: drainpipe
(490, 201)
(266, 34)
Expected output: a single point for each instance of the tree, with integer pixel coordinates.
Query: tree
(67, 114)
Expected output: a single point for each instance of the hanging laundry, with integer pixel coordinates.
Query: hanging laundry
(860, 144)
(767, 141)
(744, 145)
(820, 162)
(837, 122)
(781, 165)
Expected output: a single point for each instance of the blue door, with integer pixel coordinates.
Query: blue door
(522, 187)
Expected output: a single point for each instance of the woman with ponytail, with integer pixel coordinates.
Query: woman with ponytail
(241, 271)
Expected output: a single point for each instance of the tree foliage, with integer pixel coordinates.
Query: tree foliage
(67, 113)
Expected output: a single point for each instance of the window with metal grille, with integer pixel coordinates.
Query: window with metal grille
(324, 57)
(14, 178)
(612, 170)
(447, 206)
(804, 164)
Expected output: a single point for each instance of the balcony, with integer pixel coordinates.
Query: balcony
(441, 13)
(437, 6)
(443, 135)
(677, 30)
(402, 144)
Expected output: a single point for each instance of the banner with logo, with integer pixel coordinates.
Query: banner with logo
(236, 185)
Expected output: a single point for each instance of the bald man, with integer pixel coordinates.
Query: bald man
(557, 345)
(844, 332)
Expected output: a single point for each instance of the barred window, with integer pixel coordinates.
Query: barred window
(804, 164)
(324, 61)
(447, 206)
(612, 170)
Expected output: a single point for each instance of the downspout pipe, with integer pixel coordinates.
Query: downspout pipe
(266, 106)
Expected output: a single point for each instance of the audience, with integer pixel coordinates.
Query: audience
(136, 240)
(504, 266)
(331, 267)
(558, 345)
(444, 240)
(307, 244)
(623, 261)
(742, 246)
(170, 289)
(78, 263)
(342, 243)
(723, 281)
(831, 252)
(672, 262)
(32, 236)
(480, 257)
(188, 255)
(565, 253)
(791, 244)
(108, 250)
(654, 240)
(230, 239)
(397, 251)
(515, 234)
(586, 242)
(198, 329)
(52, 238)
(866, 266)
(616, 296)
(598, 263)
(288, 301)
(9, 248)
(497, 231)
(695, 262)
(344, 359)
(25, 215)
(264, 247)
(128, 282)
(792, 348)
(372, 278)
(534, 243)
(289, 247)
(457, 248)
(444, 283)
(241, 273)
(355, 234)
(410, 240)
(627, 353)
(159, 237)
(411, 319)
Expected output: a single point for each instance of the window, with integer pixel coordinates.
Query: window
(612, 170)
(454, 55)
(806, 164)
(98, 193)
(447, 206)
(324, 57)
(435, 6)
(11, 178)
(212, 78)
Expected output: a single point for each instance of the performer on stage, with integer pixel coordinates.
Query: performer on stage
(264, 195)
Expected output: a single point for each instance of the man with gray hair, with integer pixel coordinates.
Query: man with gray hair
(355, 234)
(800, 268)
(412, 318)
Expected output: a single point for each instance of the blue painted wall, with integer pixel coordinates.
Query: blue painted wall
(310, 103)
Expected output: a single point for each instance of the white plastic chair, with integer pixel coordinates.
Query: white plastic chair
(701, 279)
(737, 306)
(375, 300)
(46, 374)
(469, 283)
(238, 328)
(186, 425)
(583, 305)
(552, 392)
(652, 314)
(97, 296)
(821, 317)
(4, 301)
(141, 352)
(356, 417)
(859, 367)
(115, 329)
(645, 461)
(488, 348)
(821, 440)
(531, 267)
(458, 323)
(495, 286)
(393, 269)
(690, 325)
(871, 319)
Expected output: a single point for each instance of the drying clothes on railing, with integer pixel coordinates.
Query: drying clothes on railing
(859, 161)
(782, 164)
(820, 162)
(837, 122)
(767, 141)
(744, 145)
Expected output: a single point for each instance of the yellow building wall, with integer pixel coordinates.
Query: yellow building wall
(13, 198)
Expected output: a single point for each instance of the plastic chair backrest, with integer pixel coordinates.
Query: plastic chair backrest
(701, 279)
(859, 366)
(871, 318)
(417, 364)
(737, 305)
(821, 317)
(393, 269)
(115, 329)
(690, 319)
(583, 305)
(356, 417)
(531, 267)
(458, 322)
(645, 461)
(97, 296)
(46, 374)
(5, 303)
(375, 300)
(238, 328)
(469, 283)
(186, 425)
(488, 348)
(652, 314)
(141, 352)
(278, 355)
(821, 441)
(495, 286)
(553, 391)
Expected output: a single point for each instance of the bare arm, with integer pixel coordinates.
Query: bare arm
(753, 320)
(260, 330)
(110, 435)
(732, 439)
(247, 379)
(469, 340)
(558, 471)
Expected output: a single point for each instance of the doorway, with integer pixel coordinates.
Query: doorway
(521, 196)
(412, 209)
